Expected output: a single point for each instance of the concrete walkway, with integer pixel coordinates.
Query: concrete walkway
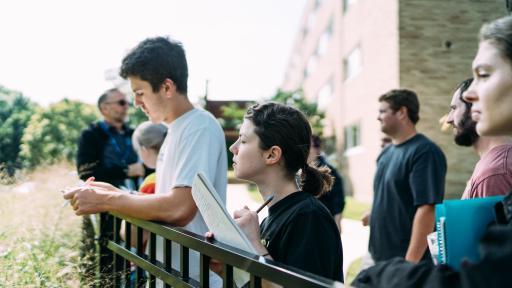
(354, 236)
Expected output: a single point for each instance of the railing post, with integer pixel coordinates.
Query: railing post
(204, 272)
(118, 260)
(128, 246)
(255, 281)
(167, 257)
(88, 254)
(140, 274)
(106, 258)
(184, 263)
(152, 257)
(228, 276)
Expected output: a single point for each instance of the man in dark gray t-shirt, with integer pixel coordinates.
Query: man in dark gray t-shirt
(409, 180)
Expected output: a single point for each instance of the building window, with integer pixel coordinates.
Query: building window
(324, 96)
(353, 63)
(311, 21)
(305, 32)
(324, 40)
(310, 66)
(317, 4)
(352, 136)
(347, 4)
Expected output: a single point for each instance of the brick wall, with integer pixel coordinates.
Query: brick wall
(438, 40)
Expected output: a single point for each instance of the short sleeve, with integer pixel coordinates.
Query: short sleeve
(427, 177)
(200, 154)
(498, 184)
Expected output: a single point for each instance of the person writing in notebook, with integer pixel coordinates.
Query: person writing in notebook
(299, 231)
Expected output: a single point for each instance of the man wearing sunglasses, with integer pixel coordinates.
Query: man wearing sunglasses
(105, 150)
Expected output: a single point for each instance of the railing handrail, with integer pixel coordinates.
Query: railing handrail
(251, 263)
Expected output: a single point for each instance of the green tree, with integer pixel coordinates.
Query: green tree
(15, 112)
(297, 100)
(232, 116)
(52, 134)
(136, 116)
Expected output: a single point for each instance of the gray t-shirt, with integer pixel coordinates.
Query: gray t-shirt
(194, 143)
(408, 175)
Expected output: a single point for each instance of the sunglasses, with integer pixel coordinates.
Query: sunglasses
(121, 102)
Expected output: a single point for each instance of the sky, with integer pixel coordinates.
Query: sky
(53, 49)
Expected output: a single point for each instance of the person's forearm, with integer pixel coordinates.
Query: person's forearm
(260, 249)
(423, 225)
(156, 207)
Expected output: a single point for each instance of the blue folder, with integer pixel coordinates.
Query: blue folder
(460, 225)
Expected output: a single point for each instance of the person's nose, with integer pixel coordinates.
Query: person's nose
(234, 148)
(470, 95)
(137, 101)
(449, 118)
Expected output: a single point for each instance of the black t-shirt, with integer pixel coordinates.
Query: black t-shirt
(300, 232)
(334, 199)
(408, 175)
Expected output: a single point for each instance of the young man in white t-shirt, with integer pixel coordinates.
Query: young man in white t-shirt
(158, 73)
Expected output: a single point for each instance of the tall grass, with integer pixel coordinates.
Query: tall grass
(39, 237)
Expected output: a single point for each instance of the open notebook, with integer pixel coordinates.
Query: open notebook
(219, 221)
(460, 224)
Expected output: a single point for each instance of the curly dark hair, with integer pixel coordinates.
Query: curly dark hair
(284, 126)
(157, 59)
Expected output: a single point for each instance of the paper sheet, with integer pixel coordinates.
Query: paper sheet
(220, 222)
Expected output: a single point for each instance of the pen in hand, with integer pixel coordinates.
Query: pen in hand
(270, 198)
(82, 184)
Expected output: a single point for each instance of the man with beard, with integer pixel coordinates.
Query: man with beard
(493, 172)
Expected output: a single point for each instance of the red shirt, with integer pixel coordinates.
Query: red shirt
(492, 174)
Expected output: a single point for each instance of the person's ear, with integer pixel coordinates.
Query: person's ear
(273, 155)
(103, 107)
(168, 87)
(402, 112)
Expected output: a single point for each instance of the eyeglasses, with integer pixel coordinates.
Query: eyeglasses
(121, 102)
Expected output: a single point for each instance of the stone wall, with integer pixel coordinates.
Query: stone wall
(438, 40)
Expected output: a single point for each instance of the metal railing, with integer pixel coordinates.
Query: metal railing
(116, 272)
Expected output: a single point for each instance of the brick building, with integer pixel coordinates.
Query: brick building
(347, 53)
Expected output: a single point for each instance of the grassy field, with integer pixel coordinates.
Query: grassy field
(39, 238)
(354, 209)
